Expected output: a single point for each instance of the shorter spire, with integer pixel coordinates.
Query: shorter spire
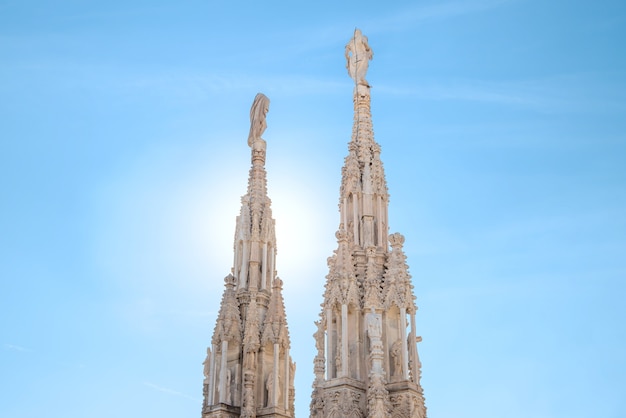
(228, 326)
(275, 325)
(244, 375)
(398, 288)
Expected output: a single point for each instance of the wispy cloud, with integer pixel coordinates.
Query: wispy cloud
(564, 93)
(193, 313)
(13, 347)
(191, 85)
(439, 10)
(170, 391)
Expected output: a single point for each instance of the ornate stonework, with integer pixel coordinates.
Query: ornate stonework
(248, 371)
(367, 364)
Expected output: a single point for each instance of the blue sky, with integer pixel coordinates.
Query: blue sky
(123, 157)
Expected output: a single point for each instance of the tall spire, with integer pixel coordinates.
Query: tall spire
(367, 363)
(248, 374)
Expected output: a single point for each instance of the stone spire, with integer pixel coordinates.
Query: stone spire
(248, 372)
(367, 363)
(255, 236)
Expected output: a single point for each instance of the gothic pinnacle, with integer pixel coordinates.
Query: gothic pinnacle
(247, 373)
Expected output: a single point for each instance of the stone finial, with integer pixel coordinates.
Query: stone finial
(230, 281)
(396, 240)
(277, 284)
(358, 53)
(341, 235)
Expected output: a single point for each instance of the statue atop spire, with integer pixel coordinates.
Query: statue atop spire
(358, 53)
(258, 112)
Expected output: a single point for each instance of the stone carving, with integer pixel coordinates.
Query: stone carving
(251, 342)
(396, 355)
(292, 397)
(250, 360)
(319, 336)
(358, 53)
(275, 325)
(378, 405)
(343, 403)
(374, 325)
(207, 365)
(399, 291)
(248, 403)
(415, 366)
(372, 290)
(407, 405)
(258, 112)
(317, 403)
(271, 386)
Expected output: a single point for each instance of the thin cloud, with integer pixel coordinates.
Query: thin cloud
(170, 391)
(193, 313)
(559, 94)
(190, 85)
(13, 347)
(415, 15)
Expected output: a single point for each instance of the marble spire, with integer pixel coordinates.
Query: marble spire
(367, 363)
(248, 371)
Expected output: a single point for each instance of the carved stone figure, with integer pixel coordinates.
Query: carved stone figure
(271, 388)
(319, 336)
(250, 363)
(396, 355)
(292, 372)
(258, 112)
(207, 364)
(374, 325)
(358, 53)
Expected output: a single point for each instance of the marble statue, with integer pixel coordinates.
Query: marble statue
(396, 355)
(319, 336)
(374, 325)
(207, 364)
(358, 53)
(271, 388)
(258, 112)
(292, 372)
